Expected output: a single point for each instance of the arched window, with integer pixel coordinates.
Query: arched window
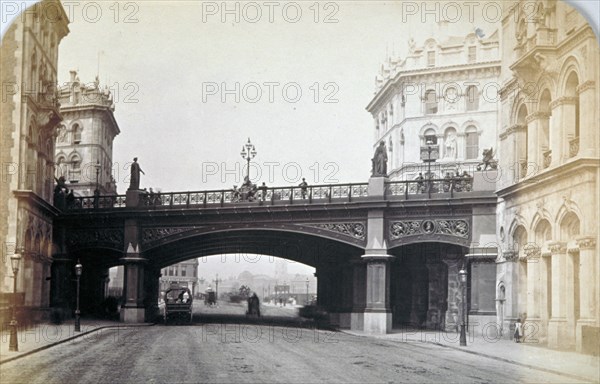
(431, 104)
(75, 171)
(472, 98)
(472, 143)
(430, 137)
(76, 133)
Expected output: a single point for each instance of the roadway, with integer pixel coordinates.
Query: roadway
(229, 352)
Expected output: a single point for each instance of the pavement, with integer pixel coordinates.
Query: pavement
(530, 355)
(42, 336)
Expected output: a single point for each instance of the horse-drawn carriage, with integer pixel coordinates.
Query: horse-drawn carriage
(210, 298)
(178, 304)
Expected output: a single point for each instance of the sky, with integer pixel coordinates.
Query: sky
(193, 80)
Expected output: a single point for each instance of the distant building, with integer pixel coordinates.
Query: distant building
(84, 142)
(185, 274)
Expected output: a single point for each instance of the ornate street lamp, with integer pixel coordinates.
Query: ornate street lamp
(78, 270)
(462, 276)
(248, 153)
(307, 290)
(429, 160)
(14, 341)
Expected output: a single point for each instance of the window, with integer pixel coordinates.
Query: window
(472, 98)
(170, 271)
(183, 272)
(431, 106)
(431, 58)
(75, 172)
(76, 134)
(472, 143)
(472, 54)
(430, 136)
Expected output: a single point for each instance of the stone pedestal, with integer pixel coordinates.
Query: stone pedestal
(133, 198)
(377, 315)
(376, 186)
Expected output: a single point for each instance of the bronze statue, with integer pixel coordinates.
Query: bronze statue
(379, 161)
(134, 181)
(488, 160)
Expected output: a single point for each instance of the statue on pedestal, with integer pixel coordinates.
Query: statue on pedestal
(134, 181)
(379, 161)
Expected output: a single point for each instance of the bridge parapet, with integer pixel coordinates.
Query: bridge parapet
(318, 194)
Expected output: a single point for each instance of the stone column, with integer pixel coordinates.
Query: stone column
(588, 290)
(532, 140)
(557, 332)
(545, 293)
(437, 295)
(533, 258)
(359, 291)
(378, 316)
(588, 115)
(557, 135)
(133, 310)
(454, 298)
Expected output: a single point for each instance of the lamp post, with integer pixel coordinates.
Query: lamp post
(429, 160)
(307, 290)
(14, 341)
(78, 270)
(462, 276)
(248, 153)
(216, 281)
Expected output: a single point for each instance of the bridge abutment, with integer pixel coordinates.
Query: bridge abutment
(134, 308)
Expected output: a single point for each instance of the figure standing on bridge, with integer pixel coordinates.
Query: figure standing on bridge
(379, 161)
(134, 181)
(303, 188)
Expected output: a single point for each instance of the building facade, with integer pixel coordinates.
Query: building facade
(29, 119)
(440, 103)
(548, 269)
(185, 274)
(440, 94)
(84, 144)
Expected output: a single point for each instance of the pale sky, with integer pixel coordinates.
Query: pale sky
(168, 63)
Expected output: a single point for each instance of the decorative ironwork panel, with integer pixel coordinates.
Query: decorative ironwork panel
(450, 227)
(153, 234)
(354, 230)
(82, 237)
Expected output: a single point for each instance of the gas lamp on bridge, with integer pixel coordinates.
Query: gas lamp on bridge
(78, 271)
(13, 344)
(248, 153)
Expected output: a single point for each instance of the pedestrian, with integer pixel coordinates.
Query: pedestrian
(518, 331)
(303, 187)
(263, 191)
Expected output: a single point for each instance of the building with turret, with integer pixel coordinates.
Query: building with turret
(84, 143)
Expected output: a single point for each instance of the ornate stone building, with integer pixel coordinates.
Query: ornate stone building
(548, 270)
(439, 101)
(443, 92)
(84, 145)
(29, 117)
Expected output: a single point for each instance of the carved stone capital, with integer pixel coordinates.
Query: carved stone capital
(510, 255)
(586, 242)
(557, 248)
(532, 253)
(537, 116)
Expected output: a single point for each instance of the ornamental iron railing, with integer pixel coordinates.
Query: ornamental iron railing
(429, 186)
